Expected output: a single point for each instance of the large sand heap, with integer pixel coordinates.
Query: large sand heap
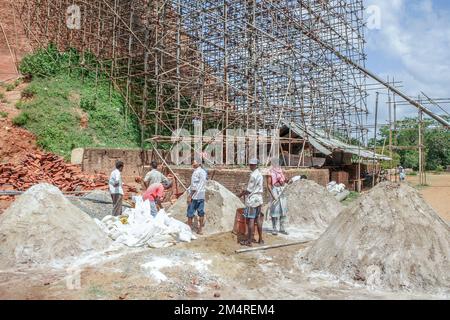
(310, 206)
(389, 239)
(42, 226)
(220, 208)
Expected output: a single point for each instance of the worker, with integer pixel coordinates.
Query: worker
(154, 175)
(278, 210)
(155, 194)
(196, 197)
(401, 172)
(253, 202)
(116, 189)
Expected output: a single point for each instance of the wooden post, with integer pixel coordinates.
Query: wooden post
(375, 138)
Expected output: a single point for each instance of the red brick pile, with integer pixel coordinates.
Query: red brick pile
(46, 167)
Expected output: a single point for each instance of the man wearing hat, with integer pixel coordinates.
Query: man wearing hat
(253, 202)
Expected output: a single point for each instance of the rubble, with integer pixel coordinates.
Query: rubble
(390, 239)
(43, 228)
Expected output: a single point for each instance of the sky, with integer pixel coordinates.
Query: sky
(410, 42)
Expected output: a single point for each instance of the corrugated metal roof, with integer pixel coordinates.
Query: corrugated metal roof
(327, 145)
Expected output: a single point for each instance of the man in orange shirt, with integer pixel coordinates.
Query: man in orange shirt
(155, 194)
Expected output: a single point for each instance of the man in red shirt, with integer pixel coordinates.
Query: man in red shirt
(155, 194)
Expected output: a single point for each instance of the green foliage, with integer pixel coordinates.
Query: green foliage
(19, 104)
(3, 114)
(436, 142)
(10, 87)
(28, 92)
(21, 120)
(63, 92)
(2, 95)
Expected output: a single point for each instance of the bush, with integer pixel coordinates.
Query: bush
(19, 104)
(21, 120)
(3, 114)
(440, 169)
(2, 96)
(10, 87)
(28, 92)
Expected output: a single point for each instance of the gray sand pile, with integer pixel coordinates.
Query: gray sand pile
(42, 227)
(220, 207)
(311, 207)
(389, 239)
(97, 204)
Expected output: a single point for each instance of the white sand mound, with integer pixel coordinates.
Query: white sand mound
(42, 226)
(220, 208)
(311, 207)
(389, 239)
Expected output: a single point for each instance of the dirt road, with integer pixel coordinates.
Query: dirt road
(437, 194)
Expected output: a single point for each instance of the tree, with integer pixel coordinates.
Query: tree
(436, 141)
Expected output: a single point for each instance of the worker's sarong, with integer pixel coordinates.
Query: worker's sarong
(279, 208)
(117, 204)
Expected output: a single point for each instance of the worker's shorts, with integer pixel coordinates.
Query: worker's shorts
(196, 205)
(252, 213)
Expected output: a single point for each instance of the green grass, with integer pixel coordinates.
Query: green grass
(54, 116)
(2, 95)
(351, 198)
(3, 114)
(10, 87)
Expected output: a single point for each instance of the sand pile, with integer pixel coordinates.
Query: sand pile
(220, 207)
(311, 207)
(42, 226)
(97, 204)
(389, 239)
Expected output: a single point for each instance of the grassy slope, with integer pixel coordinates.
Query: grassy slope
(58, 104)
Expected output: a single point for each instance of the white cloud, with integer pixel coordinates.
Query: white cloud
(415, 40)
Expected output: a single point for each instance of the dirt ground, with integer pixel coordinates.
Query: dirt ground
(437, 193)
(207, 268)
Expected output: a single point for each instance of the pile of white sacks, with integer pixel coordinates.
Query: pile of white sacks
(338, 190)
(137, 227)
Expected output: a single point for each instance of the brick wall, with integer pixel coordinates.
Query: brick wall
(236, 179)
(98, 160)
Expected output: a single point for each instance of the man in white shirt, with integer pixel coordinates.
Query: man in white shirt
(116, 189)
(154, 176)
(196, 196)
(253, 202)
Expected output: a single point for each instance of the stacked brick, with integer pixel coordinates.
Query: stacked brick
(46, 167)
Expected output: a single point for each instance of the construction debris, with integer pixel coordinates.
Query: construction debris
(220, 207)
(43, 228)
(391, 238)
(137, 227)
(311, 208)
(338, 190)
(40, 167)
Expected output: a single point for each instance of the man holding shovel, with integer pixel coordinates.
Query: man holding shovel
(253, 202)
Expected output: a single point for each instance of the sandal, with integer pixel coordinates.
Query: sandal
(261, 242)
(246, 243)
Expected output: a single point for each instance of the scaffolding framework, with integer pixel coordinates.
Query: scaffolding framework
(244, 64)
